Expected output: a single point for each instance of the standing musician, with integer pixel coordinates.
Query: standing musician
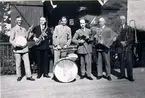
(61, 39)
(18, 39)
(41, 38)
(83, 39)
(125, 49)
(104, 38)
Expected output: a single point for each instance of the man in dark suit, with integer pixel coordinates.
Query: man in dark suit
(125, 45)
(104, 38)
(42, 47)
(83, 38)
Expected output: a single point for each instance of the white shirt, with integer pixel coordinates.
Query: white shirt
(42, 27)
(123, 26)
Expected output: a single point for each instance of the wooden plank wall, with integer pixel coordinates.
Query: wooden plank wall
(30, 12)
(136, 11)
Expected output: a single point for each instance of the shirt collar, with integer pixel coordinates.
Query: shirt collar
(17, 26)
(84, 29)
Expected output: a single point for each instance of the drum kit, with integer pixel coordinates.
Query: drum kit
(65, 69)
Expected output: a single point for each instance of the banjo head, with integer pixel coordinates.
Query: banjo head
(65, 70)
(20, 41)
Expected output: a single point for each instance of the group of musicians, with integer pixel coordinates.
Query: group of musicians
(101, 36)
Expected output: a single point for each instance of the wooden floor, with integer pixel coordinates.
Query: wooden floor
(47, 88)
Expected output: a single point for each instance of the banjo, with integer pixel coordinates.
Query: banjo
(21, 41)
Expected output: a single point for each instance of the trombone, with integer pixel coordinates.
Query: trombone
(136, 40)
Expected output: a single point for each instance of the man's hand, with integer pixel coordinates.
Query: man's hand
(114, 39)
(18, 46)
(123, 43)
(65, 46)
(58, 47)
(101, 41)
(81, 41)
(44, 34)
(35, 39)
(14, 45)
(87, 37)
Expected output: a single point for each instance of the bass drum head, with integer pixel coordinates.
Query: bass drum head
(65, 70)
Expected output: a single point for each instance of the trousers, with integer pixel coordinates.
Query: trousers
(86, 64)
(103, 59)
(126, 62)
(42, 61)
(18, 58)
(59, 54)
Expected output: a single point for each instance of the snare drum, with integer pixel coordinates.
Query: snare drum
(65, 70)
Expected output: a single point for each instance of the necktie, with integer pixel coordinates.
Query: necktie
(42, 28)
(20, 28)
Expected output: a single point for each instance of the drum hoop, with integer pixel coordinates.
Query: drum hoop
(64, 59)
(60, 61)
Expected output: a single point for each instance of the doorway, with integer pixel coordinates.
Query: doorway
(70, 10)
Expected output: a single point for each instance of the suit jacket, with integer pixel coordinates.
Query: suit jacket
(125, 34)
(87, 46)
(62, 36)
(44, 45)
(105, 36)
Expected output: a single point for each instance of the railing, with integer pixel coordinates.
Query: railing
(7, 61)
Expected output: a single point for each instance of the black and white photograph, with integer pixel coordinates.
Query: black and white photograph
(72, 48)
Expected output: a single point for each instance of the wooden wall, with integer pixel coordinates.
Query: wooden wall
(136, 11)
(30, 12)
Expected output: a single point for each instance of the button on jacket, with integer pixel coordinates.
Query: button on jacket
(61, 36)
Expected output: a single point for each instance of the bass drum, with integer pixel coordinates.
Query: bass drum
(65, 70)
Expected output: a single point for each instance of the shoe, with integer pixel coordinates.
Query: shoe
(122, 77)
(82, 77)
(131, 79)
(30, 78)
(53, 78)
(19, 78)
(89, 78)
(39, 76)
(109, 78)
(46, 76)
(99, 77)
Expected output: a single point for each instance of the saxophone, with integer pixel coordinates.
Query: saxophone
(42, 36)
